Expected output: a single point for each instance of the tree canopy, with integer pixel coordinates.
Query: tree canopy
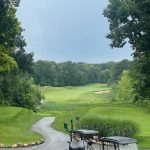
(17, 87)
(10, 33)
(129, 21)
(73, 74)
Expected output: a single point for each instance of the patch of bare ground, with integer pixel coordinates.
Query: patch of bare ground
(102, 91)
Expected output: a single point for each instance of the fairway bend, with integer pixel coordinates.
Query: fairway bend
(54, 140)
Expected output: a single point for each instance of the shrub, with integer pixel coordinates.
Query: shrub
(123, 90)
(109, 127)
(19, 90)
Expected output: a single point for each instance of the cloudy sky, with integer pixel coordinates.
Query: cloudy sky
(62, 30)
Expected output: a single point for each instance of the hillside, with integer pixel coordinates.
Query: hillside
(15, 125)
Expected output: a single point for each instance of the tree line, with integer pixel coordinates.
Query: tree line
(50, 73)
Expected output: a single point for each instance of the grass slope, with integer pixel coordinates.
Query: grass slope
(15, 125)
(68, 102)
(132, 113)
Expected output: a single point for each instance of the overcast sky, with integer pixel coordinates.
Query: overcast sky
(62, 30)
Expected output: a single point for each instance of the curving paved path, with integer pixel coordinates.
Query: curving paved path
(54, 140)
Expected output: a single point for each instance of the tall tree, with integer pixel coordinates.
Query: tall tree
(117, 70)
(129, 21)
(16, 85)
(10, 34)
(24, 60)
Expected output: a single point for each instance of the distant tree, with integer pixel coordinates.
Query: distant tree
(72, 74)
(104, 76)
(129, 20)
(45, 73)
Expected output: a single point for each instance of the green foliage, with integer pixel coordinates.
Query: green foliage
(129, 21)
(109, 127)
(24, 60)
(7, 63)
(141, 81)
(16, 85)
(124, 88)
(73, 74)
(18, 90)
(117, 70)
(10, 34)
(10, 30)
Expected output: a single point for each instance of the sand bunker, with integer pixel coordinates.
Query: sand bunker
(102, 92)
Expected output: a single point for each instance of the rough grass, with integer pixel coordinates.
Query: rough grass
(15, 125)
(109, 127)
(130, 112)
(68, 102)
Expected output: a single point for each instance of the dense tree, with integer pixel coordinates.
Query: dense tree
(10, 29)
(10, 34)
(7, 63)
(73, 74)
(130, 22)
(24, 60)
(18, 90)
(117, 69)
(16, 85)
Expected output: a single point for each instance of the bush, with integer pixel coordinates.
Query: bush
(143, 103)
(19, 90)
(109, 127)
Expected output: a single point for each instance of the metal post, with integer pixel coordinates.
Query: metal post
(71, 125)
(77, 122)
(71, 136)
(103, 145)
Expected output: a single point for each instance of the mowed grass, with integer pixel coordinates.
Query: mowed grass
(78, 94)
(15, 125)
(68, 102)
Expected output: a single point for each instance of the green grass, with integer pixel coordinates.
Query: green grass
(82, 94)
(68, 102)
(132, 113)
(15, 125)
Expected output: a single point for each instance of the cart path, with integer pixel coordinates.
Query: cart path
(54, 140)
